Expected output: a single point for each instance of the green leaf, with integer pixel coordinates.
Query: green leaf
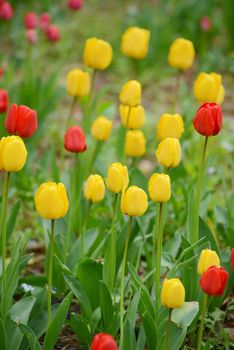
(204, 231)
(30, 335)
(12, 218)
(129, 339)
(191, 218)
(150, 330)
(185, 315)
(132, 309)
(106, 306)
(3, 341)
(177, 336)
(57, 323)
(81, 328)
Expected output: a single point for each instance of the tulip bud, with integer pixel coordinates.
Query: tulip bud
(170, 125)
(232, 259)
(207, 258)
(168, 152)
(213, 281)
(101, 128)
(52, 33)
(97, 53)
(173, 293)
(159, 188)
(78, 83)
(6, 11)
(135, 144)
(205, 23)
(51, 200)
(132, 117)
(21, 120)
(103, 341)
(31, 36)
(130, 93)
(13, 153)
(4, 100)
(74, 4)
(208, 119)
(117, 177)
(74, 140)
(94, 189)
(181, 54)
(134, 201)
(129, 39)
(209, 88)
(30, 20)
(44, 20)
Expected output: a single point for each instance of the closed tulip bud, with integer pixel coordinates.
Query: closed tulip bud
(21, 120)
(74, 140)
(168, 152)
(130, 93)
(13, 153)
(213, 281)
(103, 341)
(31, 36)
(132, 117)
(4, 100)
(134, 201)
(44, 20)
(51, 200)
(232, 259)
(209, 88)
(170, 125)
(97, 53)
(135, 144)
(207, 258)
(173, 293)
(52, 33)
(30, 20)
(94, 189)
(181, 54)
(208, 119)
(78, 83)
(6, 11)
(159, 188)
(117, 177)
(129, 39)
(75, 4)
(101, 128)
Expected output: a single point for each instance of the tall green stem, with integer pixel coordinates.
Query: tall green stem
(158, 259)
(3, 221)
(177, 90)
(72, 107)
(122, 283)
(199, 186)
(50, 272)
(168, 331)
(201, 327)
(84, 230)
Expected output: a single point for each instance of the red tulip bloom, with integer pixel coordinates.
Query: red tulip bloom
(21, 120)
(0, 72)
(52, 33)
(214, 280)
(6, 11)
(30, 20)
(75, 4)
(31, 36)
(44, 20)
(205, 23)
(232, 259)
(208, 119)
(103, 341)
(74, 140)
(4, 100)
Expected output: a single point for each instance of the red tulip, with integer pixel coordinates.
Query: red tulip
(208, 119)
(6, 11)
(52, 33)
(21, 120)
(44, 20)
(74, 140)
(75, 4)
(4, 100)
(214, 280)
(103, 341)
(205, 23)
(232, 259)
(31, 36)
(0, 72)
(30, 20)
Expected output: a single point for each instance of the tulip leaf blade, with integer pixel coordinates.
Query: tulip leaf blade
(106, 306)
(3, 339)
(185, 315)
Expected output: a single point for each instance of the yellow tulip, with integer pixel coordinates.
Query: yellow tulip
(159, 188)
(173, 293)
(170, 125)
(135, 144)
(135, 42)
(101, 128)
(78, 83)
(117, 177)
(181, 54)
(134, 201)
(209, 88)
(130, 93)
(97, 53)
(132, 117)
(51, 200)
(207, 259)
(94, 189)
(13, 153)
(168, 152)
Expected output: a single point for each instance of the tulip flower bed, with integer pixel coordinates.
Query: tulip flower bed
(116, 219)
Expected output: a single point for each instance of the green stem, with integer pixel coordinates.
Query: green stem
(122, 283)
(93, 157)
(3, 221)
(73, 104)
(201, 327)
(159, 238)
(177, 90)
(199, 186)
(110, 283)
(168, 331)
(50, 272)
(84, 230)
